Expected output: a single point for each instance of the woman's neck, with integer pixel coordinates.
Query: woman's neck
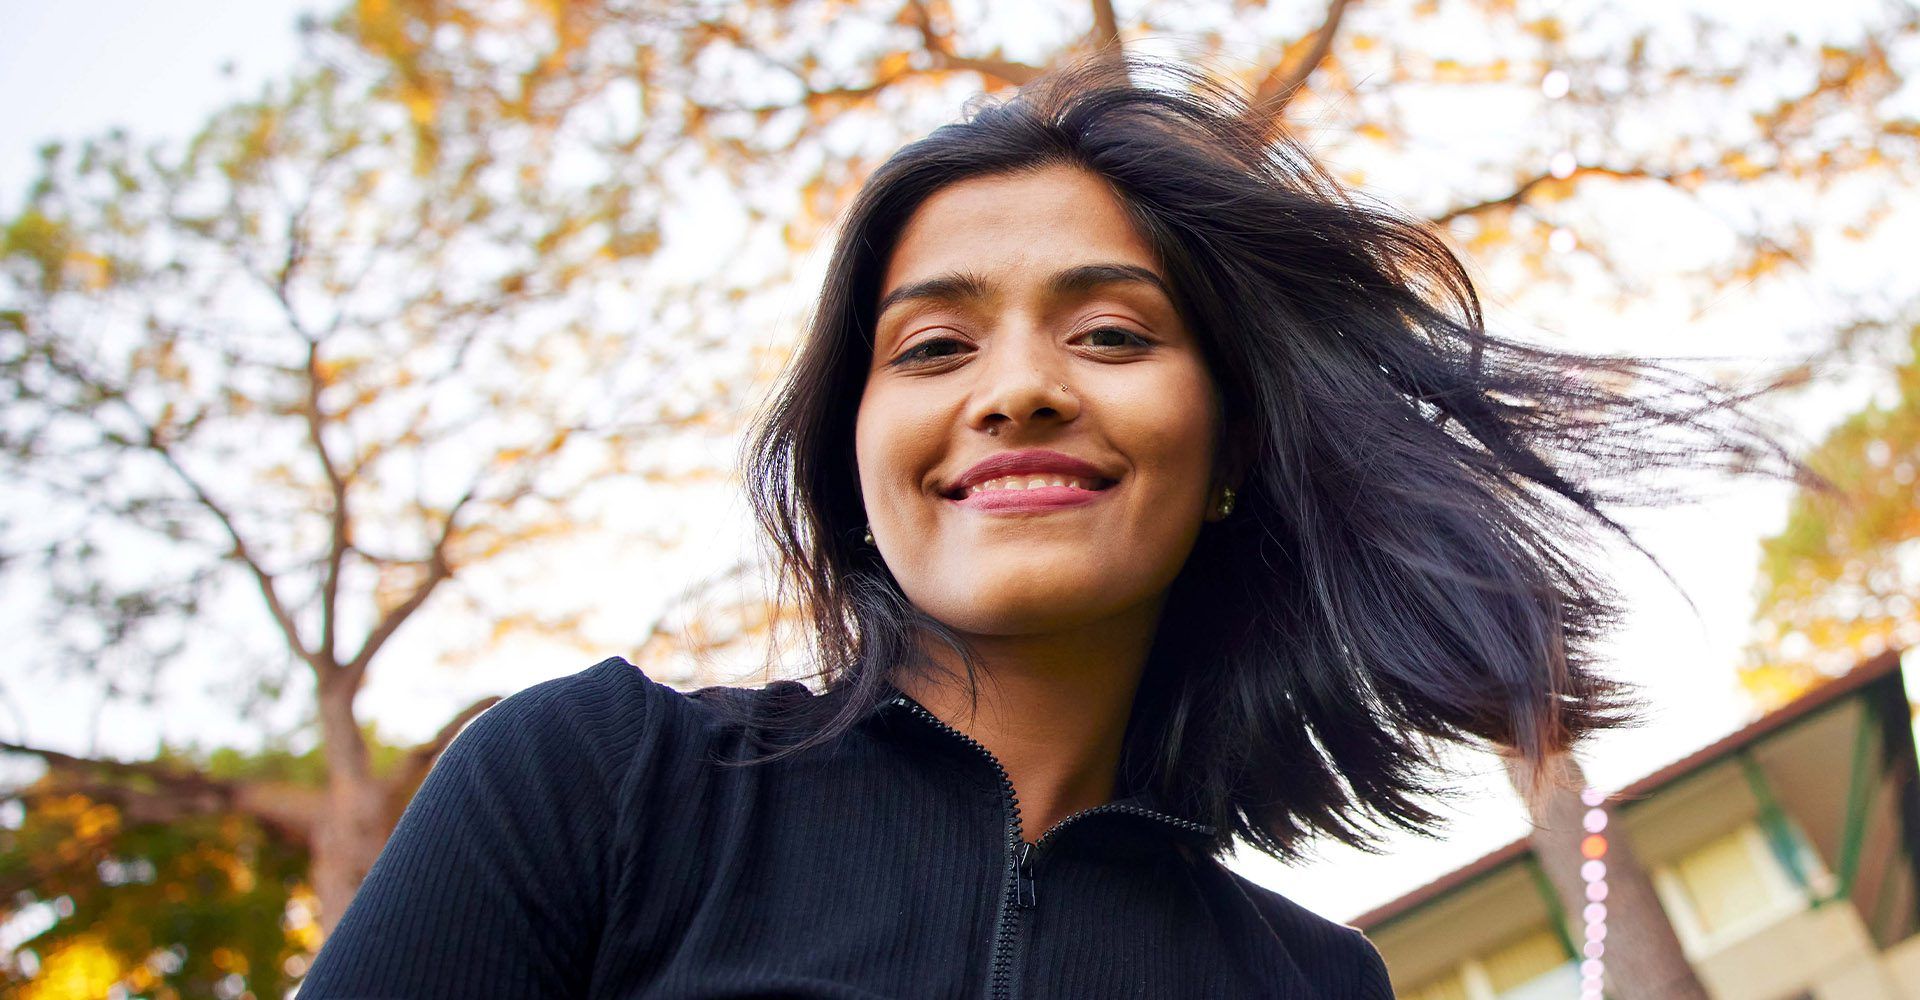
(1053, 709)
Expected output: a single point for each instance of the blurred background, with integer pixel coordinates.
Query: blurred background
(365, 363)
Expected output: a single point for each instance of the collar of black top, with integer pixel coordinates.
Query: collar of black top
(1142, 808)
(897, 715)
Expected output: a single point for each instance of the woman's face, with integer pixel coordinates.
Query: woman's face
(1025, 314)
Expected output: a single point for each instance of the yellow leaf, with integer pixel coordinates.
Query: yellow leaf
(1546, 29)
(90, 270)
(97, 820)
(1742, 165)
(1552, 189)
(419, 103)
(893, 64)
(81, 969)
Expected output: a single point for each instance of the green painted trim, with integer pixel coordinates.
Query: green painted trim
(1556, 910)
(1859, 788)
(1773, 820)
(1883, 907)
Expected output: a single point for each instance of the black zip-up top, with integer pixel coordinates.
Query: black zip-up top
(582, 839)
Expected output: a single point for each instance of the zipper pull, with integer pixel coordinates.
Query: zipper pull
(1027, 886)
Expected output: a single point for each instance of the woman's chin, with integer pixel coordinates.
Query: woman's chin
(1019, 607)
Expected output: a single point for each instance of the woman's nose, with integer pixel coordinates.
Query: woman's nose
(1022, 380)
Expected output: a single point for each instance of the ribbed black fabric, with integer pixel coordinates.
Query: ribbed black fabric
(579, 840)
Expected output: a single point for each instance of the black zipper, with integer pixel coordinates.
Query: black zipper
(1000, 978)
(1019, 888)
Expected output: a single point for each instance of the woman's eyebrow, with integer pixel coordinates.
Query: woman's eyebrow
(961, 286)
(953, 287)
(1087, 277)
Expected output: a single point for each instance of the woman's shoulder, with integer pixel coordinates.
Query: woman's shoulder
(607, 703)
(497, 872)
(616, 707)
(1327, 951)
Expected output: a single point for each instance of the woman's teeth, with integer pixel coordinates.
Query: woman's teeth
(1030, 482)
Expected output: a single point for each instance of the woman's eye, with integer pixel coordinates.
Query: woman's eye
(1125, 337)
(928, 349)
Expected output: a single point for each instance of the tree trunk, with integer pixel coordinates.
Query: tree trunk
(355, 825)
(1643, 955)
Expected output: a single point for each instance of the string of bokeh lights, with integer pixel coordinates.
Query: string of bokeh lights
(1593, 871)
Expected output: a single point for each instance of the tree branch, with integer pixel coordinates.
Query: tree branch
(149, 438)
(419, 760)
(290, 809)
(1680, 179)
(297, 250)
(337, 542)
(809, 94)
(282, 617)
(438, 570)
(1289, 76)
(940, 46)
(1106, 26)
(829, 94)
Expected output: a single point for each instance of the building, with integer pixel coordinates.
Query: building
(1785, 855)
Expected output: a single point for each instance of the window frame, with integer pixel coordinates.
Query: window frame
(1785, 896)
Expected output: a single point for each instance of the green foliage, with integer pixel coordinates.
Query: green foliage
(43, 243)
(169, 909)
(1837, 583)
(278, 761)
(189, 900)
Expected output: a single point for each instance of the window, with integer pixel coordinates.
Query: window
(1452, 986)
(1734, 885)
(1533, 966)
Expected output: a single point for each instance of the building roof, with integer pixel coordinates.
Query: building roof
(1852, 682)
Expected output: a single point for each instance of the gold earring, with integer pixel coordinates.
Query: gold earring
(868, 536)
(1226, 501)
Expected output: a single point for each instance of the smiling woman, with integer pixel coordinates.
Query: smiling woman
(1028, 337)
(1146, 493)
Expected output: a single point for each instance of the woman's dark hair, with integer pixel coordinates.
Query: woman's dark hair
(1409, 560)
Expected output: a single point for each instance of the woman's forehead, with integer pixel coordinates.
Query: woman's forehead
(1029, 225)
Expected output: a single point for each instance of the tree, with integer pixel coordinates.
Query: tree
(1644, 957)
(1837, 582)
(162, 885)
(317, 368)
(410, 254)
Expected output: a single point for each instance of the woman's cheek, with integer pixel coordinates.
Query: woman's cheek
(1173, 440)
(896, 448)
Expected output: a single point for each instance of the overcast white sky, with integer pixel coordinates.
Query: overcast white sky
(156, 67)
(74, 69)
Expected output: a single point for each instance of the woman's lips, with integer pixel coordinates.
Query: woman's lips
(1031, 499)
